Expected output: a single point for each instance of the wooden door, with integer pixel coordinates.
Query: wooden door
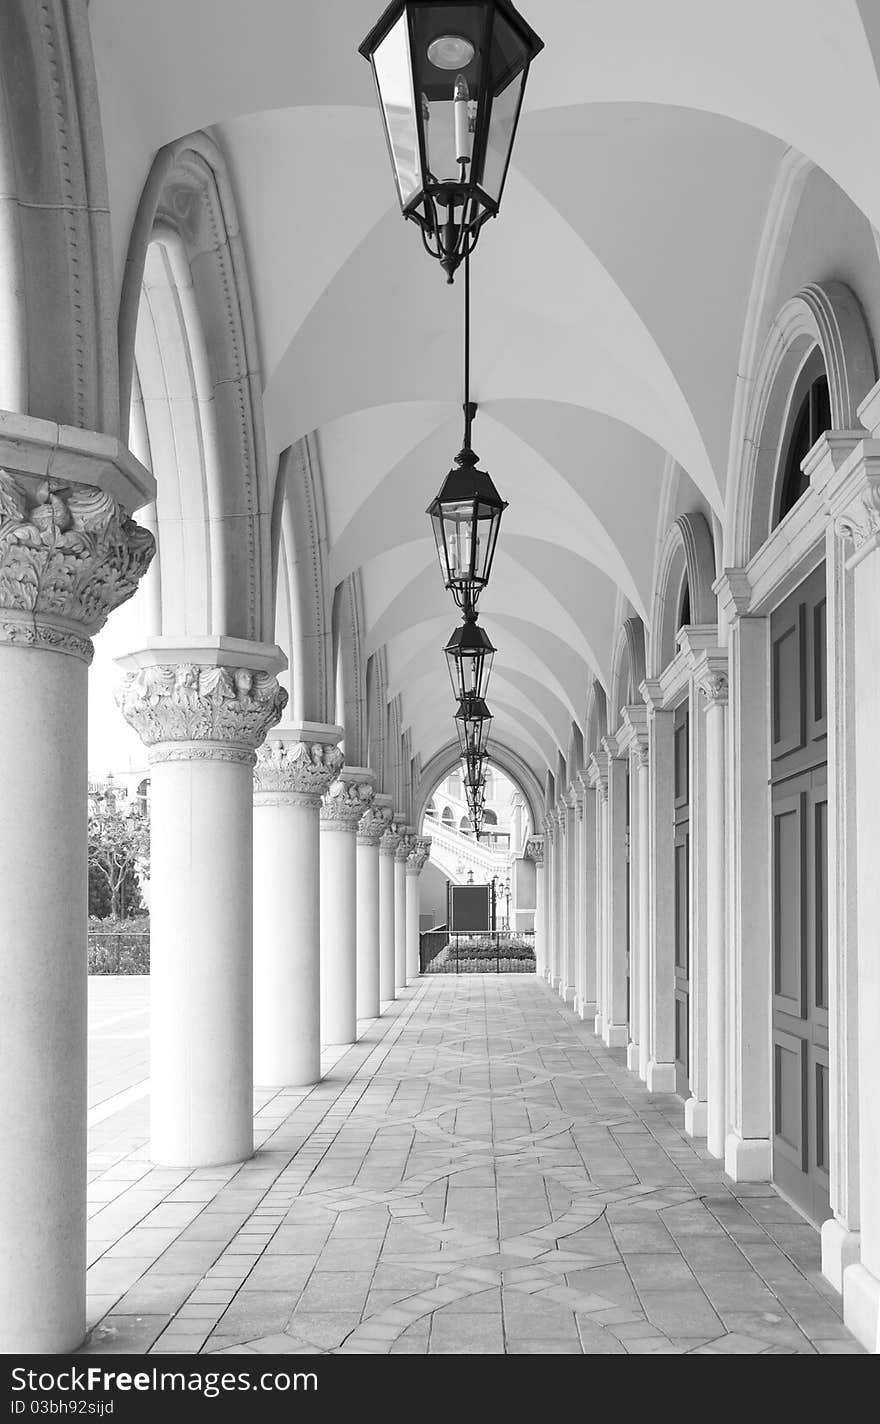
(682, 904)
(799, 849)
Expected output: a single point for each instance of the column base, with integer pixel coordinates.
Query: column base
(566, 993)
(861, 1306)
(615, 1035)
(554, 981)
(696, 1116)
(748, 1159)
(587, 1010)
(632, 1057)
(598, 1025)
(840, 1249)
(661, 1077)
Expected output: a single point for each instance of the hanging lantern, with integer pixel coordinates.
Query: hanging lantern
(450, 79)
(469, 656)
(466, 517)
(474, 769)
(473, 721)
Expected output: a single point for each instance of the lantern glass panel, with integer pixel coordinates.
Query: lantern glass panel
(394, 81)
(508, 66)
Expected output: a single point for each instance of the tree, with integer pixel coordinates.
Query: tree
(119, 848)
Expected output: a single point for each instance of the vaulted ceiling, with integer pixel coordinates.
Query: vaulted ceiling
(609, 299)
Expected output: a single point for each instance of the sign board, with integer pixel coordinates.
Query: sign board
(470, 909)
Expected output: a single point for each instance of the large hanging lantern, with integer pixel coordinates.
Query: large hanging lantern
(450, 76)
(473, 721)
(469, 655)
(466, 517)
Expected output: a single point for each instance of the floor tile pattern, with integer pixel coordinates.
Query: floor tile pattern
(478, 1174)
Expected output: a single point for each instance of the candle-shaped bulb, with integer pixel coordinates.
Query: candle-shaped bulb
(461, 96)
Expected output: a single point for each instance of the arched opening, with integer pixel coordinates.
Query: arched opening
(810, 418)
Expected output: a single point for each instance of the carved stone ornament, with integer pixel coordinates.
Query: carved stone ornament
(418, 855)
(535, 849)
(858, 526)
(714, 687)
(404, 847)
(345, 803)
(390, 840)
(373, 825)
(69, 555)
(187, 713)
(301, 770)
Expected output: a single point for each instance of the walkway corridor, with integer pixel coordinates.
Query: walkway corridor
(477, 1174)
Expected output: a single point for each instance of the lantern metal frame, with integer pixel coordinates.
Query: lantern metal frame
(491, 28)
(473, 721)
(469, 657)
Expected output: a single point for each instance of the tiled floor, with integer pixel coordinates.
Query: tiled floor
(478, 1174)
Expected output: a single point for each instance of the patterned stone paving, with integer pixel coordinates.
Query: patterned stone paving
(478, 1174)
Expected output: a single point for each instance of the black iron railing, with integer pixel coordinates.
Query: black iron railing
(119, 951)
(494, 952)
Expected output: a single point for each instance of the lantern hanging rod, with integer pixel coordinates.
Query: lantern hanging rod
(470, 408)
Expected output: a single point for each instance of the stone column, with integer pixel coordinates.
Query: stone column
(550, 886)
(661, 906)
(852, 496)
(372, 827)
(342, 810)
(711, 678)
(69, 555)
(535, 852)
(587, 871)
(387, 847)
(580, 891)
(644, 876)
(569, 896)
(401, 855)
(748, 1148)
(415, 862)
(615, 1032)
(294, 769)
(599, 782)
(634, 739)
(201, 707)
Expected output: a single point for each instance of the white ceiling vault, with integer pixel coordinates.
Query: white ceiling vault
(611, 300)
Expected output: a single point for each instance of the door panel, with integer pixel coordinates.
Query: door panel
(799, 847)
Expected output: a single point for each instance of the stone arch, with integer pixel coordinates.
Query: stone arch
(628, 667)
(58, 352)
(597, 719)
(575, 757)
(348, 621)
(300, 536)
(448, 759)
(688, 553)
(186, 321)
(826, 316)
(376, 695)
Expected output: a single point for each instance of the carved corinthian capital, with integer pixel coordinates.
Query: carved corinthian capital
(69, 555)
(298, 771)
(348, 797)
(535, 849)
(374, 824)
(185, 712)
(418, 855)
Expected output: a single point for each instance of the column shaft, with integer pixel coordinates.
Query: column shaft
(412, 923)
(287, 942)
(368, 942)
(399, 923)
(43, 860)
(635, 871)
(661, 1062)
(201, 943)
(338, 934)
(644, 856)
(715, 939)
(588, 875)
(615, 1029)
(386, 919)
(540, 899)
